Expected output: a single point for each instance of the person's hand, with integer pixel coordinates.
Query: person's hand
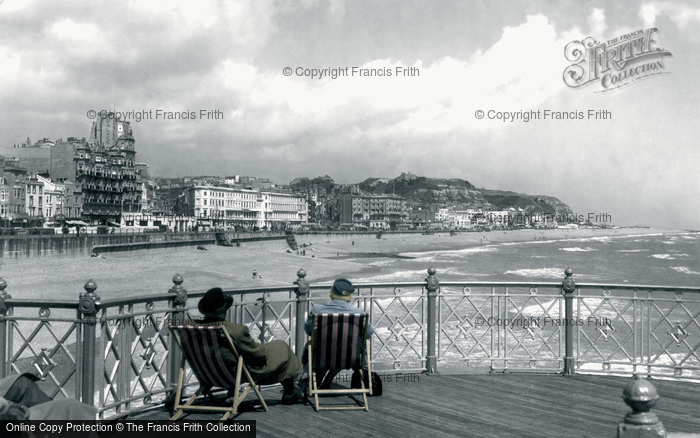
(12, 411)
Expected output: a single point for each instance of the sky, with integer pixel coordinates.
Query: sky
(61, 60)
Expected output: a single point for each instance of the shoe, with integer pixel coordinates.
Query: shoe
(296, 396)
(355, 382)
(304, 385)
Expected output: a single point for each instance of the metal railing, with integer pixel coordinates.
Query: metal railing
(118, 354)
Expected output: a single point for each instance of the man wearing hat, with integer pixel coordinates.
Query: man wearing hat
(271, 362)
(341, 296)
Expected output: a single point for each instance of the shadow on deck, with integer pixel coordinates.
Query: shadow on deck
(493, 405)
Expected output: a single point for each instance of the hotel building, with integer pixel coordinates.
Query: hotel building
(249, 208)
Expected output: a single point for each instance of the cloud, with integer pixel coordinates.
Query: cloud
(682, 14)
(520, 71)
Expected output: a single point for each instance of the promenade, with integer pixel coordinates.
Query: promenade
(484, 405)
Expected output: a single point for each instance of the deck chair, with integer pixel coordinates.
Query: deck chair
(202, 350)
(338, 342)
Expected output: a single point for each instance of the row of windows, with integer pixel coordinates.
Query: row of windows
(230, 195)
(17, 193)
(224, 203)
(10, 209)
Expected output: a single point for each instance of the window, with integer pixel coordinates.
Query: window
(34, 189)
(2, 195)
(143, 223)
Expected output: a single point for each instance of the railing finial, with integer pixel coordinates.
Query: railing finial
(432, 283)
(90, 286)
(641, 396)
(87, 300)
(569, 285)
(179, 291)
(302, 284)
(3, 296)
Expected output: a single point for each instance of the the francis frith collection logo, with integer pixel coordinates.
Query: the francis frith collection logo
(615, 63)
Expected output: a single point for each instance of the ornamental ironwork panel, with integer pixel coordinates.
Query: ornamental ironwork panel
(134, 343)
(45, 341)
(398, 315)
(500, 327)
(638, 329)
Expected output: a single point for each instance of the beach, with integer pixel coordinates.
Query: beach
(355, 256)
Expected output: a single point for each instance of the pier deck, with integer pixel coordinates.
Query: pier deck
(492, 405)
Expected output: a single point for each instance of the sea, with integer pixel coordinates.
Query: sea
(643, 259)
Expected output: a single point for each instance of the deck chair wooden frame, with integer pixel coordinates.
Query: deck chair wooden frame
(211, 369)
(339, 342)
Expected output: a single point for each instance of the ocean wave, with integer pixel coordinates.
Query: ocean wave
(539, 273)
(415, 275)
(577, 249)
(455, 253)
(381, 263)
(632, 250)
(684, 270)
(460, 271)
(663, 256)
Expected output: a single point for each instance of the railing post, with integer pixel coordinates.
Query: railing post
(432, 285)
(263, 316)
(641, 396)
(302, 293)
(177, 317)
(3, 328)
(568, 287)
(88, 310)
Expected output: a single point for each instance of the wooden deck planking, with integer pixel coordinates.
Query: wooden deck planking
(491, 405)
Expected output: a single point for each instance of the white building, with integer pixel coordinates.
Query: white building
(230, 207)
(44, 198)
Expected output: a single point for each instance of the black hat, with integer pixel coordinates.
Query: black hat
(214, 302)
(342, 290)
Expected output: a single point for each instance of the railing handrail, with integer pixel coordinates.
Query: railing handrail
(113, 302)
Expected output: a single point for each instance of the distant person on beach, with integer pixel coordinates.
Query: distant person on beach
(271, 362)
(21, 399)
(341, 294)
(255, 273)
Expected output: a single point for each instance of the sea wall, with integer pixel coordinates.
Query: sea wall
(56, 245)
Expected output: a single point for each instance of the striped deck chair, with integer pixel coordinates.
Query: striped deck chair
(338, 342)
(201, 347)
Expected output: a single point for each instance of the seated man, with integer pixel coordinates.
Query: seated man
(341, 295)
(21, 399)
(273, 361)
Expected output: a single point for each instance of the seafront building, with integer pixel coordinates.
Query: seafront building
(13, 180)
(44, 198)
(218, 206)
(372, 211)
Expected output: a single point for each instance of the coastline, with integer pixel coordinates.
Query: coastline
(327, 257)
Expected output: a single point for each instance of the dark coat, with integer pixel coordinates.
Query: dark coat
(273, 361)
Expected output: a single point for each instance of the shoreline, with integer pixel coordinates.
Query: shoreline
(327, 257)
